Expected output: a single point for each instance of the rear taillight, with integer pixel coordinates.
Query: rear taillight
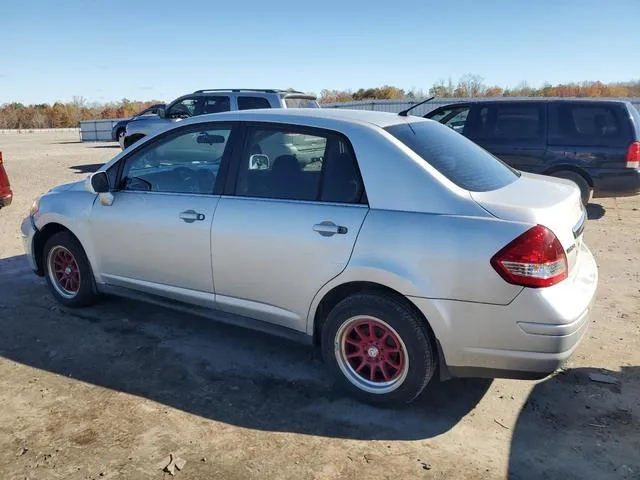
(633, 155)
(534, 259)
(5, 189)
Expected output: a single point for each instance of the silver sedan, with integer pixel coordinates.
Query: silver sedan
(400, 248)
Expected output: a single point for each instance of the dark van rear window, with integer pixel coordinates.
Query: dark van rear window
(457, 158)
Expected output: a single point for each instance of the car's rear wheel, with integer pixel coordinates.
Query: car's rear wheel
(378, 348)
(67, 271)
(579, 180)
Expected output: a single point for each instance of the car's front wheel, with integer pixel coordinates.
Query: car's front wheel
(67, 271)
(378, 348)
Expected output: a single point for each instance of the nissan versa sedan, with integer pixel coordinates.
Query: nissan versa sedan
(400, 248)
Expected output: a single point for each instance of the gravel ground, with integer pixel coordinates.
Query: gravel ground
(110, 391)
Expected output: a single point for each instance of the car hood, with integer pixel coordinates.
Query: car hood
(79, 185)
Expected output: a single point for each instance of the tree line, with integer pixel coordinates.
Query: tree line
(473, 86)
(57, 115)
(64, 115)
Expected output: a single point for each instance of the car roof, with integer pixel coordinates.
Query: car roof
(537, 99)
(294, 115)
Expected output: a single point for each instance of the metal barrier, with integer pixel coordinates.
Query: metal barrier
(97, 130)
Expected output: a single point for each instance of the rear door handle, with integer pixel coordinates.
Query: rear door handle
(190, 216)
(327, 229)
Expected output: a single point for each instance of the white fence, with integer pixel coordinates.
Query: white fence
(97, 130)
(39, 130)
(395, 106)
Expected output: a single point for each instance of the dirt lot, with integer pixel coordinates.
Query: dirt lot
(109, 391)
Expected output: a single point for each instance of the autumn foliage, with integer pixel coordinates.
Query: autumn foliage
(17, 115)
(473, 86)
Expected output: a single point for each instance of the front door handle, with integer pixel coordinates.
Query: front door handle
(190, 216)
(327, 229)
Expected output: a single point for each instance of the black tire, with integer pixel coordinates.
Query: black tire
(120, 131)
(575, 177)
(413, 334)
(58, 247)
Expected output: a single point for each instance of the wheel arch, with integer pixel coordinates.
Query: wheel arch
(339, 292)
(40, 239)
(570, 168)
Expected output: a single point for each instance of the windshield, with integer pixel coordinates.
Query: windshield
(301, 102)
(457, 158)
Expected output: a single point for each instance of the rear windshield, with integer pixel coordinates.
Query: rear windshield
(457, 158)
(301, 102)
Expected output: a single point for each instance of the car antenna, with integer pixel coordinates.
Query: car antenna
(404, 113)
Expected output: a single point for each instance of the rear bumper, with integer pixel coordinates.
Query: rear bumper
(529, 338)
(620, 182)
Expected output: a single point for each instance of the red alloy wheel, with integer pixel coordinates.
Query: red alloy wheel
(64, 271)
(373, 351)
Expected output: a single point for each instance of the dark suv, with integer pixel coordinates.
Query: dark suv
(595, 143)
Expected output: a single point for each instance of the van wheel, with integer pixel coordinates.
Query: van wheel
(583, 185)
(378, 348)
(67, 271)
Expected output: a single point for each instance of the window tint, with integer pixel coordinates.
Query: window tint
(248, 103)
(184, 163)
(297, 102)
(506, 122)
(455, 117)
(457, 158)
(285, 163)
(184, 109)
(580, 124)
(216, 105)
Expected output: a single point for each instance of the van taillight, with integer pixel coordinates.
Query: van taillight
(633, 155)
(534, 259)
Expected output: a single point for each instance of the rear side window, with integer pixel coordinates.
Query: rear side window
(522, 122)
(250, 103)
(457, 158)
(216, 105)
(588, 125)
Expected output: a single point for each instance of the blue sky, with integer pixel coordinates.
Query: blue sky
(108, 50)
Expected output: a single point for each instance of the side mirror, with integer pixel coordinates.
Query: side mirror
(100, 182)
(259, 161)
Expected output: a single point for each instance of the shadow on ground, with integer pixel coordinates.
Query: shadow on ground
(87, 168)
(572, 427)
(229, 374)
(66, 142)
(107, 146)
(595, 211)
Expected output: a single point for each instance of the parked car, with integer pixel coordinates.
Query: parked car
(404, 251)
(6, 195)
(594, 143)
(119, 128)
(202, 102)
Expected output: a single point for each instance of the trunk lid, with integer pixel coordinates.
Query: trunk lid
(537, 199)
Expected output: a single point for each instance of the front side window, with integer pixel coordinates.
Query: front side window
(457, 158)
(454, 117)
(251, 103)
(216, 105)
(185, 108)
(184, 163)
(301, 102)
(286, 163)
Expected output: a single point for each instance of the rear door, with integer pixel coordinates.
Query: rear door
(515, 132)
(287, 224)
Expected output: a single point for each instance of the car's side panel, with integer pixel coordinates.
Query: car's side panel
(429, 256)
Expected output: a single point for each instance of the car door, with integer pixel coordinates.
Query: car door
(155, 236)
(515, 132)
(286, 225)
